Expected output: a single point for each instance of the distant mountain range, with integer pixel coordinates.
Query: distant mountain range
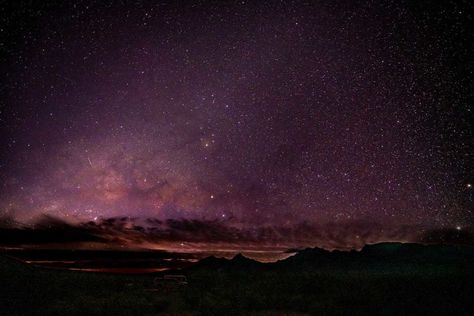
(395, 255)
(377, 257)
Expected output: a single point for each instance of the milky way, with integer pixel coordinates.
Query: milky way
(248, 113)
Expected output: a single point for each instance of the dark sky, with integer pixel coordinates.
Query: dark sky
(251, 113)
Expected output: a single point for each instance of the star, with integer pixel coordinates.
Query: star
(159, 115)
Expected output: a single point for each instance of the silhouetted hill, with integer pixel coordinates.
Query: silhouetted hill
(239, 262)
(209, 263)
(398, 255)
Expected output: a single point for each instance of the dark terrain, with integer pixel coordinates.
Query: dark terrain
(383, 279)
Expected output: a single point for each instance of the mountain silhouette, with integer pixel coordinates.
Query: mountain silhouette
(370, 256)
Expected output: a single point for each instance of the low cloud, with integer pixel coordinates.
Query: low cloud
(47, 230)
(135, 231)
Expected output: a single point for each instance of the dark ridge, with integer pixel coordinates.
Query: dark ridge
(240, 258)
(391, 254)
(243, 262)
(64, 234)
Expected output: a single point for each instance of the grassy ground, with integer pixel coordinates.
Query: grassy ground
(26, 290)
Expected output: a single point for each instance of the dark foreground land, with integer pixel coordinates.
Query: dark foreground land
(384, 279)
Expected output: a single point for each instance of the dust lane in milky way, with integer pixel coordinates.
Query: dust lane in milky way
(250, 113)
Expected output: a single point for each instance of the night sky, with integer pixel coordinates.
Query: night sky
(249, 115)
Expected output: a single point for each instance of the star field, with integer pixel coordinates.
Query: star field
(252, 113)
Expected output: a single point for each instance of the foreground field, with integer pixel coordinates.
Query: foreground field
(243, 287)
